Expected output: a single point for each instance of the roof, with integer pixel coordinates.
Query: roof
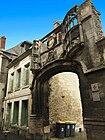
(16, 50)
(7, 52)
(19, 58)
(19, 49)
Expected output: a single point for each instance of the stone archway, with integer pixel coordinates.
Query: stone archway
(80, 49)
(40, 102)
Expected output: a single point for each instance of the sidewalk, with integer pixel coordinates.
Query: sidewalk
(10, 136)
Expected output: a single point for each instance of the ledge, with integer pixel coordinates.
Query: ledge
(95, 69)
(17, 89)
(94, 121)
(26, 86)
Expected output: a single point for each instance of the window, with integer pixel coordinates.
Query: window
(18, 79)
(16, 112)
(26, 74)
(11, 81)
(24, 114)
(9, 114)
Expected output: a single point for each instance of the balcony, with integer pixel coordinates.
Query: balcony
(60, 42)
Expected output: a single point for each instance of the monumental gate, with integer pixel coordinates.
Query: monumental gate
(76, 45)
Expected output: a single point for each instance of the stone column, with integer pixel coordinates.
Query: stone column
(36, 125)
(80, 25)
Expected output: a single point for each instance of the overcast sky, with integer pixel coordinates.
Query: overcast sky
(32, 19)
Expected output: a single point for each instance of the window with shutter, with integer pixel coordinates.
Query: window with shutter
(27, 74)
(16, 112)
(9, 114)
(18, 78)
(24, 114)
(11, 81)
(23, 77)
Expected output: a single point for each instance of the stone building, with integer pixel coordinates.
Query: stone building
(77, 46)
(6, 56)
(18, 99)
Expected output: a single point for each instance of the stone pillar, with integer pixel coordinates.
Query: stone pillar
(80, 25)
(12, 111)
(36, 125)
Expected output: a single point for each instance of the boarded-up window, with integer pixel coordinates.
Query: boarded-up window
(24, 115)
(16, 112)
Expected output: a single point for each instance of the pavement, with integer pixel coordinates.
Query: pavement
(5, 135)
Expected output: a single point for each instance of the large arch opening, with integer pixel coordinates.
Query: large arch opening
(42, 88)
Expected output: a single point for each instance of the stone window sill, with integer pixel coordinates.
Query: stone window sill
(25, 86)
(17, 89)
(9, 92)
(14, 125)
(24, 127)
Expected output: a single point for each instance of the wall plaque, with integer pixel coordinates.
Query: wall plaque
(95, 87)
(51, 42)
(96, 96)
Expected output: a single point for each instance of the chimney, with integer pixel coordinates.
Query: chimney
(2, 42)
(56, 24)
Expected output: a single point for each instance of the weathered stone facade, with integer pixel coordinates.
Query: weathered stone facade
(18, 99)
(74, 46)
(6, 56)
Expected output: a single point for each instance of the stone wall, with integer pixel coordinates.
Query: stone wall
(64, 99)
